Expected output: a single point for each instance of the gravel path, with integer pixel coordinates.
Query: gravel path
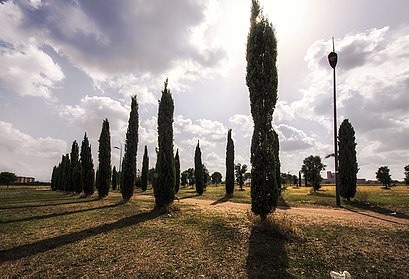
(315, 215)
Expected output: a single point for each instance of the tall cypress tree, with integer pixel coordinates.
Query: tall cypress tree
(87, 167)
(76, 185)
(262, 81)
(199, 170)
(65, 173)
(276, 146)
(128, 172)
(104, 158)
(114, 178)
(177, 171)
(54, 179)
(164, 189)
(145, 170)
(229, 164)
(348, 165)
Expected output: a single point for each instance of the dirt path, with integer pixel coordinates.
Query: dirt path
(315, 215)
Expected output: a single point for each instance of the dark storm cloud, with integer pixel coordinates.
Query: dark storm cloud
(120, 36)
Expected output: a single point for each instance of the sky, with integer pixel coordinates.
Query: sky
(67, 65)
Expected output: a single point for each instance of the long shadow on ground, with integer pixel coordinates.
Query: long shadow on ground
(44, 245)
(267, 257)
(378, 209)
(80, 200)
(56, 214)
(221, 200)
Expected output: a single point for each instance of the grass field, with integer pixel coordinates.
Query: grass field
(51, 234)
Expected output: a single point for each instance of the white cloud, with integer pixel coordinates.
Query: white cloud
(26, 155)
(88, 116)
(28, 71)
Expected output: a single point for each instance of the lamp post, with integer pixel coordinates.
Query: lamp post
(333, 59)
(120, 160)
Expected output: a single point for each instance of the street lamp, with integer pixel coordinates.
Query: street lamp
(120, 159)
(333, 59)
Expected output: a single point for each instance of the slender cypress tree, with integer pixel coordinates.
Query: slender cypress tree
(66, 173)
(104, 158)
(145, 170)
(348, 165)
(76, 185)
(128, 175)
(177, 170)
(262, 81)
(114, 178)
(54, 179)
(276, 146)
(165, 166)
(199, 170)
(87, 167)
(229, 164)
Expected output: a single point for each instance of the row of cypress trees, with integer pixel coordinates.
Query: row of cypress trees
(76, 174)
(262, 81)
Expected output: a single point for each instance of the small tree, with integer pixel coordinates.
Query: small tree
(184, 178)
(199, 170)
(229, 165)
(164, 189)
(104, 158)
(206, 176)
(114, 178)
(348, 165)
(240, 171)
(216, 177)
(128, 171)
(87, 167)
(406, 168)
(7, 178)
(311, 169)
(145, 170)
(177, 171)
(384, 177)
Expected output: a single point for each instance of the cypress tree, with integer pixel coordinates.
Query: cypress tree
(87, 167)
(164, 189)
(104, 158)
(128, 172)
(276, 146)
(75, 169)
(145, 170)
(348, 165)
(262, 82)
(177, 170)
(54, 179)
(65, 173)
(114, 178)
(229, 164)
(199, 170)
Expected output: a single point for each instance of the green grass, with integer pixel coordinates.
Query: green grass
(51, 234)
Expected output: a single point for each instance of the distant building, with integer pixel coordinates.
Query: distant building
(331, 179)
(23, 179)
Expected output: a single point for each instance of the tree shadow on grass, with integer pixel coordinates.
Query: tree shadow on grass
(80, 200)
(190, 196)
(222, 199)
(378, 209)
(57, 214)
(45, 245)
(267, 257)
